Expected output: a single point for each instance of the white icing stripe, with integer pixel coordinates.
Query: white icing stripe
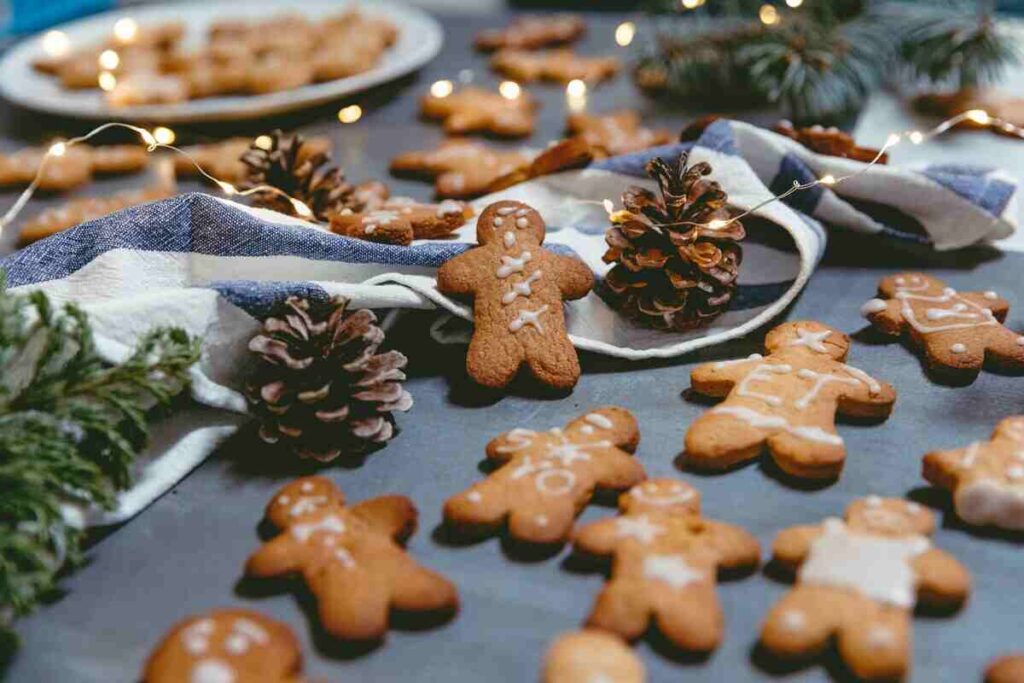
(959, 310)
(212, 671)
(510, 239)
(517, 440)
(525, 318)
(329, 524)
(873, 306)
(762, 373)
(522, 289)
(756, 419)
(505, 210)
(815, 341)
(820, 380)
(726, 363)
(671, 569)
(512, 264)
(640, 527)
(651, 494)
(599, 420)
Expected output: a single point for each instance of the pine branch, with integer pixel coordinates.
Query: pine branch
(70, 428)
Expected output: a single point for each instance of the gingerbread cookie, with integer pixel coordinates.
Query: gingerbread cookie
(666, 558)
(78, 211)
(475, 110)
(72, 169)
(518, 288)
(985, 478)
(532, 32)
(226, 645)
(830, 142)
(148, 88)
(787, 400)
(1006, 669)
(560, 66)
(858, 580)
(591, 656)
(615, 133)
(461, 168)
(957, 332)
(567, 154)
(349, 557)
(401, 220)
(546, 478)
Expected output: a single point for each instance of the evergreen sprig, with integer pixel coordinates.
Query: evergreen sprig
(71, 426)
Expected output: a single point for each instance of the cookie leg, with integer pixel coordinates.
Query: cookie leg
(480, 508)
(876, 645)
(1006, 351)
(954, 357)
(691, 618)
(549, 521)
(492, 361)
(819, 455)
(717, 442)
(800, 624)
(352, 607)
(418, 589)
(621, 608)
(555, 363)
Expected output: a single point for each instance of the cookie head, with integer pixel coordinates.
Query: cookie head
(889, 516)
(1011, 428)
(912, 283)
(808, 336)
(303, 499)
(661, 496)
(225, 645)
(504, 217)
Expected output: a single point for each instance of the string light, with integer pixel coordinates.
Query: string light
(56, 43)
(107, 81)
(442, 88)
(126, 29)
(350, 114)
(109, 60)
(692, 4)
(576, 88)
(977, 116)
(794, 3)
(154, 140)
(768, 15)
(264, 142)
(624, 33)
(510, 90)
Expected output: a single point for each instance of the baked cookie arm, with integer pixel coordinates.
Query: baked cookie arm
(884, 315)
(717, 379)
(736, 547)
(615, 469)
(392, 515)
(575, 278)
(791, 546)
(867, 397)
(941, 580)
(280, 555)
(990, 300)
(415, 588)
(598, 538)
(941, 467)
(461, 274)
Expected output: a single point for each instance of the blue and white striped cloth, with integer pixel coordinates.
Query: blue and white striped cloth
(216, 268)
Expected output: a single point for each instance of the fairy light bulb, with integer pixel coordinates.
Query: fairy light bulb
(58, 149)
(164, 135)
(768, 15)
(56, 43)
(692, 4)
(442, 88)
(828, 179)
(893, 140)
(717, 224)
(979, 116)
(264, 142)
(576, 88)
(624, 33)
(916, 137)
(350, 114)
(109, 60)
(228, 188)
(794, 3)
(510, 90)
(126, 29)
(107, 81)
(608, 206)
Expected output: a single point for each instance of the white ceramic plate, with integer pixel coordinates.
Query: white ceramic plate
(419, 40)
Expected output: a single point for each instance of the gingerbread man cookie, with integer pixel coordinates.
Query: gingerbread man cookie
(226, 645)
(958, 332)
(518, 288)
(615, 133)
(401, 220)
(546, 478)
(985, 478)
(84, 209)
(858, 580)
(560, 156)
(461, 168)
(74, 168)
(666, 558)
(591, 656)
(830, 142)
(787, 400)
(475, 110)
(350, 557)
(532, 32)
(1006, 669)
(560, 66)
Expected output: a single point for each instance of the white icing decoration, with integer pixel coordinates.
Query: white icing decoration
(641, 528)
(726, 363)
(541, 520)
(212, 671)
(586, 429)
(990, 295)
(958, 348)
(970, 456)
(812, 340)
(329, 523)
(474, 497)
(517, 439)
(988, 501)
(522, 223)
(762, 373)
(283, 500)
(498, 222)
(599, 420)
(651, 493)
(196, 638)
(1020, 341)
(251, 630)
(375, 219)
(522, 288)
(555, 482)
(756, 419)
(793, 620)
(345, 558)
(880, 637)
(873, 501)
(877, 567)
(307, 487)
(820, 380)
(873, 306)
(671, 569)
(307, 504)
(522, 212)
(513, 264)
(526, 317)
(1015, 472)
(980, 316)
(236, 644)
(449, 207)
(509, 238)
(505, 210)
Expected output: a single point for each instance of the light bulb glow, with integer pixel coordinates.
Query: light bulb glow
(979, 116)
(916, 137)
(164, 135)
(794, 3)
(692, 4)
(109, 60)
(442, 88)
(126, 29)
(58, 149)
(624, 33)
(350, 114)
(717, 224)
(264, 142)
(893, 139)
(148, 138)
(107, 81)
(576, 88)
(228, 188)
(828, 179)
(768, 15)
(608, 206)
(510, 90)
(56, 43)
(301, 209)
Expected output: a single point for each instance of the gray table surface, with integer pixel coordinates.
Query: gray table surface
(184, 554)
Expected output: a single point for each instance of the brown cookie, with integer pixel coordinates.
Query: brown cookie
(461, 168)
(830, 142)
(1006, 669)
(402, 220)
(148, 88)
(74, 168)
(349, 558)
(117, 159)
(231, 644)
(561, 66)
(565, 155)
(591, 656)
(544, 479)
(277, 71)
(78, 211)
(618, 132)
(533, 31)
(956, 332)
(517, 288)
(223, 159)
(787, 400)
(858, 581)
(666, 558)
(985, 478)
(475, 110)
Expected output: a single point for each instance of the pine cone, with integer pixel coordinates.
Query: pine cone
(291, 166)
(676, 255)
(322, 388)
